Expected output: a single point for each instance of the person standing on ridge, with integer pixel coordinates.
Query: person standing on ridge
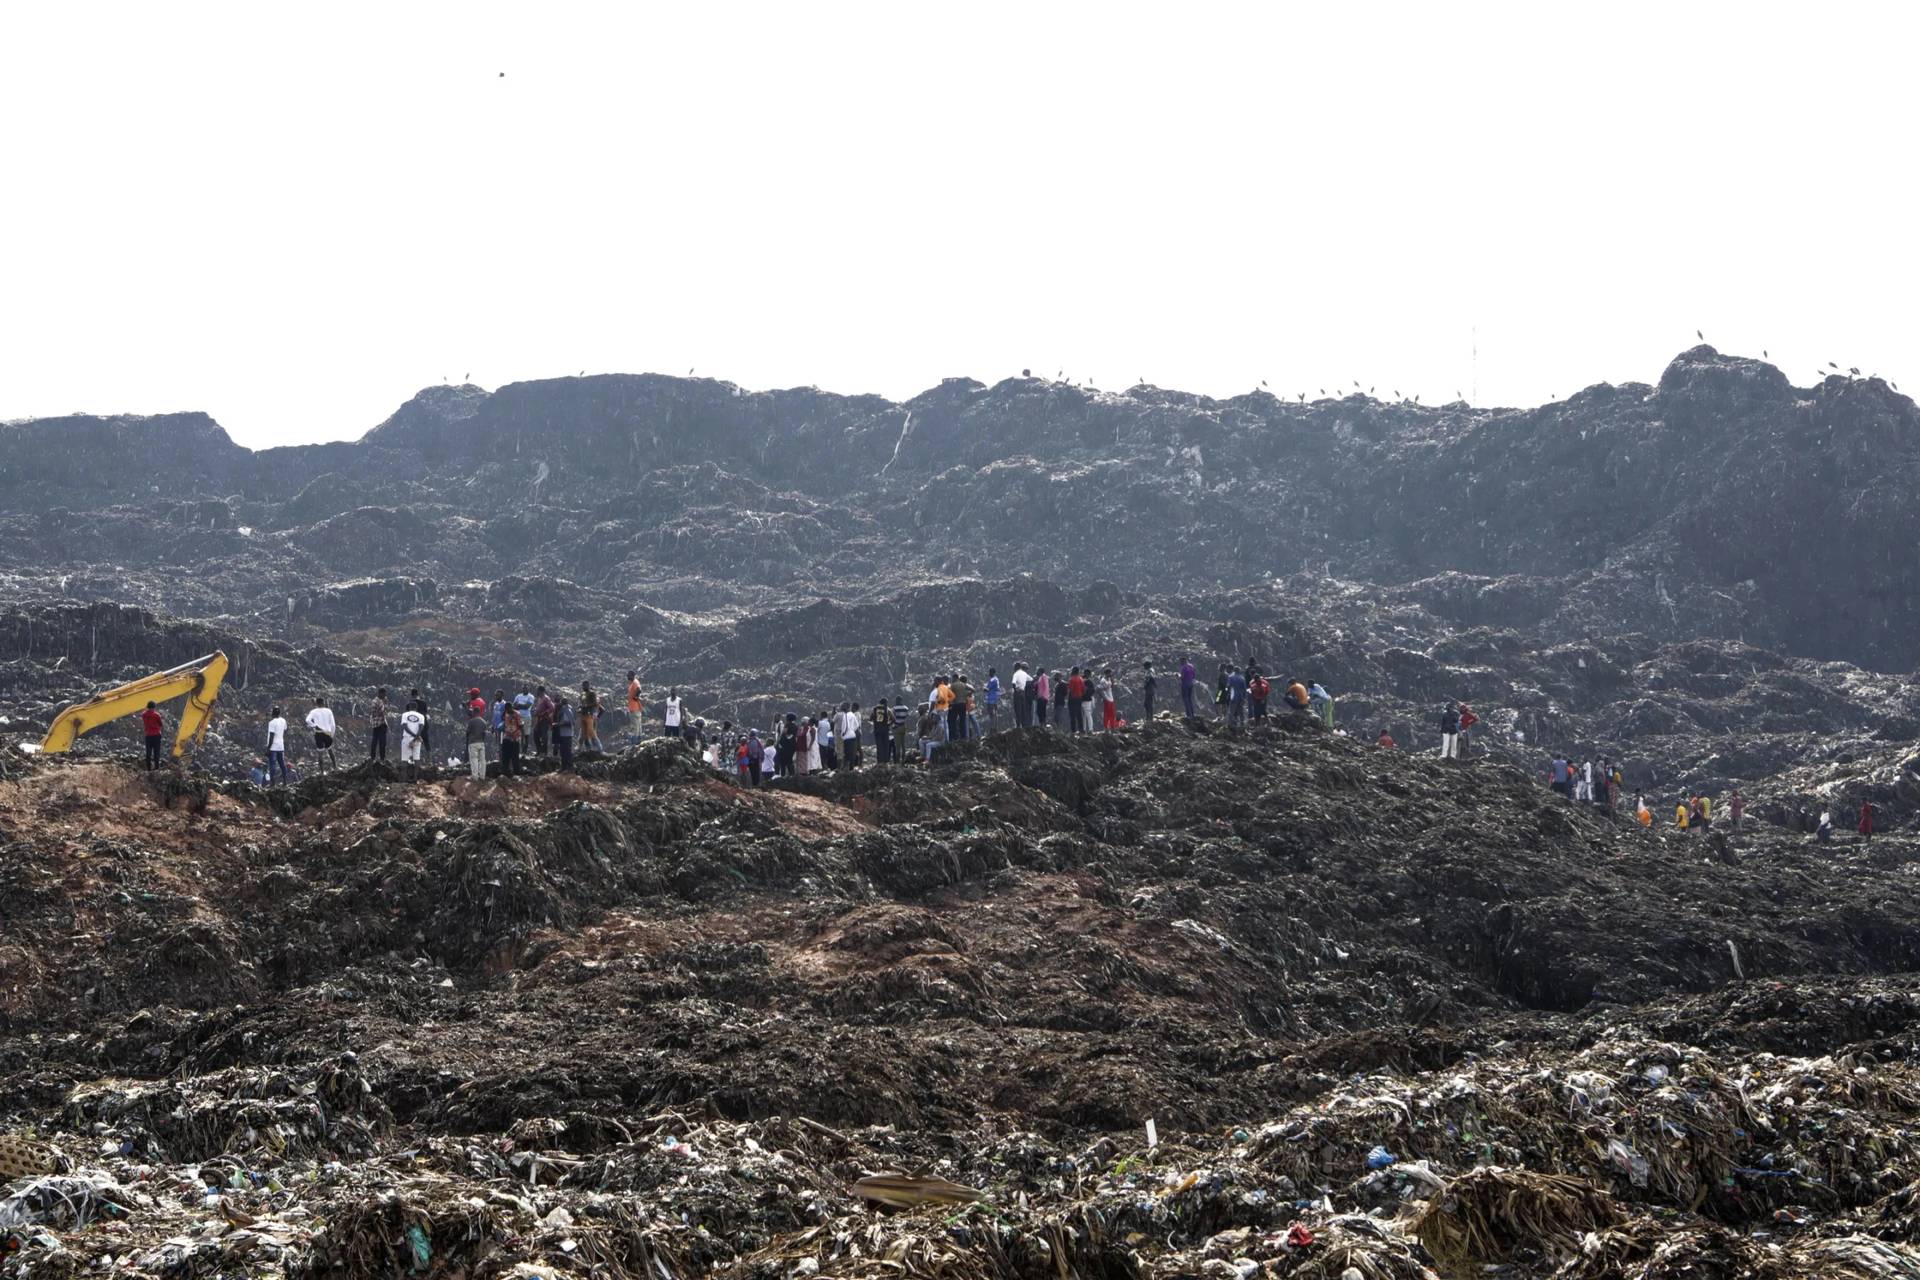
(320, 720)
(784, 746)
(1236, 697)
(477, 730)
(671, 725)
(151, 725)
(277, 747)
(413, 733)
(1042, 698)
(826, 740)
(513, 731)
(419, 704)
(1467, 721)
(1189, 677)
(1022, 696)
(1866, 820)
(850, 734)
(941, 700)
(1384, 740)
(377, 739)
(882, 721)
(589, 718)
(1062, 701)
(961, 710)
(496, 720)
(563, 725)
(1738, 808)
(543, 708)
(902, 729)
(636, 709)
(1259, 689)
(1147, 687)
(1450, 730)
(1076, 699)
(992, 697)
(523, 702)
(756, 757)
(1109, 705)
(1221, 693)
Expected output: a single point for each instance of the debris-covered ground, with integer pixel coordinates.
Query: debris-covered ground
(1171, 1002)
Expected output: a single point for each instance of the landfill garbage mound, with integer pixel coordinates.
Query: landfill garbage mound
(1722, 502)
(1178, 1000)
(1186, 999)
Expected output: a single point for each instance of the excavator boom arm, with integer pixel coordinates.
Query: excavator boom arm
(199, 680)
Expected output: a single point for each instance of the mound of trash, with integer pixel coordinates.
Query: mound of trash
(1181, 1000)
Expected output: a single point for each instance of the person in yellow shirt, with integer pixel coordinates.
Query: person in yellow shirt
(1681, 813)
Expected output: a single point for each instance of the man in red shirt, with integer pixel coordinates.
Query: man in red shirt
(152, 723)
(1077, 702)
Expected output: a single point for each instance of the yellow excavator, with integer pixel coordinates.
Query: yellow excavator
(199, 680)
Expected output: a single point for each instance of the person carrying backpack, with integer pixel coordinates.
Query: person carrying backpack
(756, 757)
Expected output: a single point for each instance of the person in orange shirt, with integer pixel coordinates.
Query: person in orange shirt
(636, 709)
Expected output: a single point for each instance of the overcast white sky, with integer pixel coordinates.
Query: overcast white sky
(293, 217)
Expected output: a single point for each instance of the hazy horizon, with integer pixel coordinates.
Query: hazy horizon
(294, 226)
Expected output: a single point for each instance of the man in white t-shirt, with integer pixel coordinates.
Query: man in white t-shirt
(277, 748)
(673, 713)
(1022, 697)
(320, 720)
(850, 735)
(413, 729)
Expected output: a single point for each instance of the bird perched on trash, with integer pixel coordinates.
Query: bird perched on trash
(235, 1216)
(905, 1191)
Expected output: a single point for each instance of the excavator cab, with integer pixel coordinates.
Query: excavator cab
(199, 681)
